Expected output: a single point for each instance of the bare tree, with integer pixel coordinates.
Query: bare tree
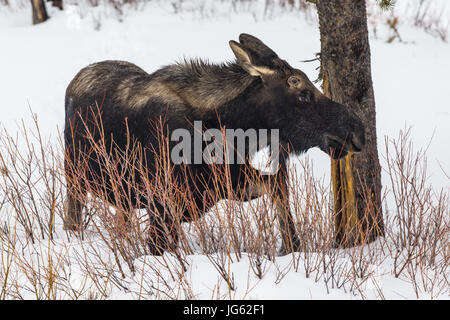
(39, 11)
(57, 3)
(347, 79)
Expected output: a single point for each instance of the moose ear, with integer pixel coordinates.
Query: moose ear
(256, 46)
(245, 61)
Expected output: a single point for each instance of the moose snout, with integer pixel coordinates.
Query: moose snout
(357, 138)
(347, 138)
(357, 141)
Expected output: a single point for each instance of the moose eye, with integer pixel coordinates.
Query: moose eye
(294, 81)
(304, 96)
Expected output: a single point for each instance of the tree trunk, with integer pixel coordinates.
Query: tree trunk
(39, 11)
(347, 79)
(56, 3)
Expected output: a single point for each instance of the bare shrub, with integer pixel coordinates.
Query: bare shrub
(112, 252)
(420, 223)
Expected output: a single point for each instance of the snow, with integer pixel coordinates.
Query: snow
(37, 63)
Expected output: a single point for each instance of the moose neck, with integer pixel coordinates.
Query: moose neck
(240, 112)
(207, 86)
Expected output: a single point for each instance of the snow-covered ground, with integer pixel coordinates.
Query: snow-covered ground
(37, 63)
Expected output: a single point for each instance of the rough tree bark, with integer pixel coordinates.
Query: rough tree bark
(347, 79)
(39, 11)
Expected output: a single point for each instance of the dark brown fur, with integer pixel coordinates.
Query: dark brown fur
(258, 91)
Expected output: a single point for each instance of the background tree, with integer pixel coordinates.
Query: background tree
(39, 11)
(347, 79)
(56, 3)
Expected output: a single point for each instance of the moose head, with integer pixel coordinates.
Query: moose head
(288, 100)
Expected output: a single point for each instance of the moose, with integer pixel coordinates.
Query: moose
(258, 90)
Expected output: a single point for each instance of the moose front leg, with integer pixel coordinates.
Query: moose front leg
(164, 228)
(257, 184)
(73, 214)
(290, 240)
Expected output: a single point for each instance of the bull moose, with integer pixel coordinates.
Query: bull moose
(256, 91)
